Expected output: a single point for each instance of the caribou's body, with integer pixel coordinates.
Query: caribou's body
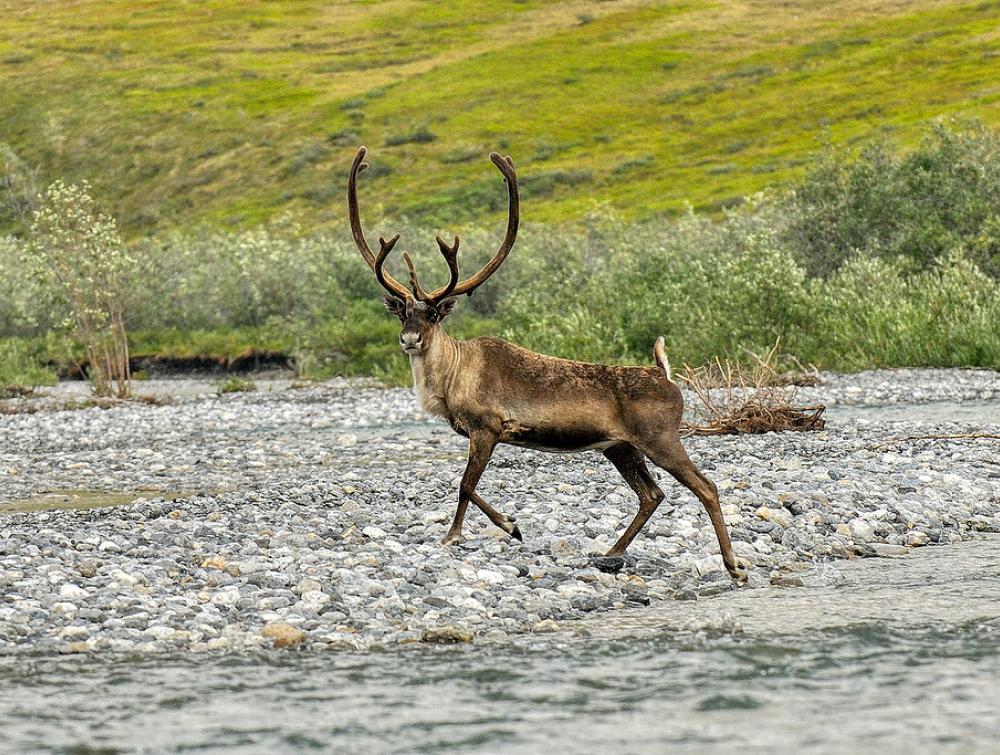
(492, 391)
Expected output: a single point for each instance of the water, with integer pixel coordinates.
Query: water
(964, 412)
(884, 655)
(859, 688)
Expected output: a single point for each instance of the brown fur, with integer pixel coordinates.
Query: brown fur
(492, 391)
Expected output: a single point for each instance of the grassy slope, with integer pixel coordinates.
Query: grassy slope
(231, 111)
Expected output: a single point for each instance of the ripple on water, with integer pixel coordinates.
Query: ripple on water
(864, 682)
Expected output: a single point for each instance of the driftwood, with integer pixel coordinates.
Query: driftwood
(754, 398)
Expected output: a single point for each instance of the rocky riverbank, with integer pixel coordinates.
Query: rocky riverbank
(310, 516)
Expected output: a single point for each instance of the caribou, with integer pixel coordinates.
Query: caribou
(492, 391)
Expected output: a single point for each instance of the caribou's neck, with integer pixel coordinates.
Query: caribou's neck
(434, 371)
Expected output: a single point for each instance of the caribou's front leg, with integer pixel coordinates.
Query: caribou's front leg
(500, 520)
(481, 445)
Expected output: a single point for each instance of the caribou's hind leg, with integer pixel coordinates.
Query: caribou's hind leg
(667, 452)
(631, 465)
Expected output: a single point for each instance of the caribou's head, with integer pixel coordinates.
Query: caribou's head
(419, 311)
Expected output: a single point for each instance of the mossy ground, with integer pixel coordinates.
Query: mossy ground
(233, 112)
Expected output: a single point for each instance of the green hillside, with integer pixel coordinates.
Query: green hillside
(232, 112)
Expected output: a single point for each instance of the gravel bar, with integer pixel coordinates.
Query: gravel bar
(309, 516)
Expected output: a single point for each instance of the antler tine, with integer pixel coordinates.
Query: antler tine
(506, 167)
(418, 292)
(380, 275)
(450, 254)
(389, 283)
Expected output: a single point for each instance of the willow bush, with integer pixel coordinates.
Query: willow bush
(77, 252)
(879, 259)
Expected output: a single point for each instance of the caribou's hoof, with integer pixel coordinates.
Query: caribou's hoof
(608, 564)
(516, 533)
(451, 539)
(739, 570)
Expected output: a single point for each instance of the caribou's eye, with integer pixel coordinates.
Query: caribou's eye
(432, 316)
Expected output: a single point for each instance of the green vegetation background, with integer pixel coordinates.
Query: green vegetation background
(219, 134)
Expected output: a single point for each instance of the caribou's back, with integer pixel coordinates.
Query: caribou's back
(558, 404)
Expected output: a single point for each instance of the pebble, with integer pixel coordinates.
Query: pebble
(330, 538)
(283, 635)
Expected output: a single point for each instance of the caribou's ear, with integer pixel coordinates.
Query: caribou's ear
(445, 308)
(395, 305)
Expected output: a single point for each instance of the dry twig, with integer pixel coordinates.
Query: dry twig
(749, 399)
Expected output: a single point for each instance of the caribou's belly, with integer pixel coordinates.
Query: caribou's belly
(549, 449)
(555, 439)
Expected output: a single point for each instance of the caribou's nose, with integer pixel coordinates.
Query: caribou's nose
(409, 341)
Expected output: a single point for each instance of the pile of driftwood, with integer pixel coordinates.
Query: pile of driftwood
(753, 397)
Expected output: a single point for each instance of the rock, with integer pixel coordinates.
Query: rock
(861, 530)
(781, 517)
(315, 599)
(159, 632)
(916, 538)
(307, 585)
(340, 540)
(446, 634)
(87, 568)
(226, 596)
(563, 550)
(80, 646)
(71, 592)
(545, 626)
(283, 635)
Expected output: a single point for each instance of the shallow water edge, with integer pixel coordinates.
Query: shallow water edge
(901, 651)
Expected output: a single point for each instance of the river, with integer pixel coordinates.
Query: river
(893, 655)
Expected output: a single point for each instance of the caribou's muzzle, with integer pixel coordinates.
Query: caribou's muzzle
(411, 343)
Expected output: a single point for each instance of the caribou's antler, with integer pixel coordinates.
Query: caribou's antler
(389, 283)
(380, 275)
(450, 253)
(506, 166)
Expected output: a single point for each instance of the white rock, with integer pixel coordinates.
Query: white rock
(159, 631)
(917, 538)
(227, 596)
(490, 577)
(69, 591)
(779, 516)
(315, 599)
(861, 530)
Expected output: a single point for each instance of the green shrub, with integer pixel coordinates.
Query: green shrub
(76, 251)
(886, 261)
(22, 365)
(919, 205)
(419, 135)
(234, 384)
